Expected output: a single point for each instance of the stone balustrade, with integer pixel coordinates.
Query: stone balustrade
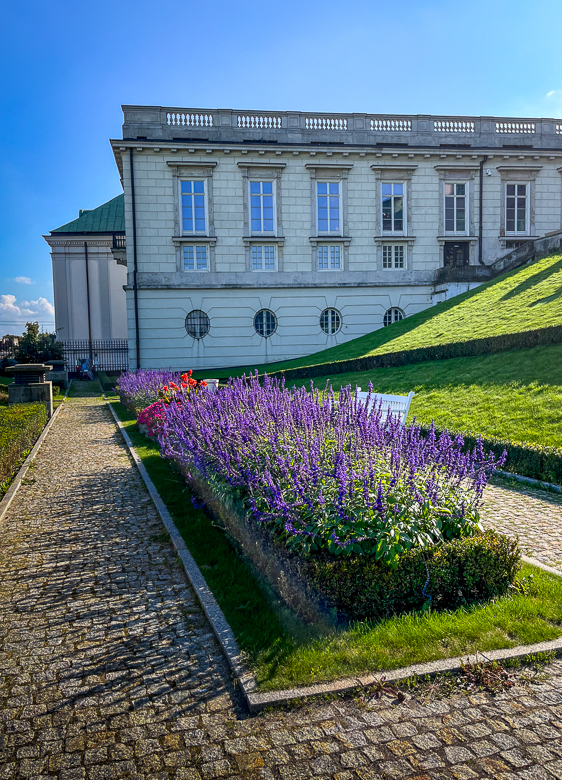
(226, 126)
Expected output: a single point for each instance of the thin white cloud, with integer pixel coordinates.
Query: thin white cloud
(13, 312)
(554, 93)
(23, 280)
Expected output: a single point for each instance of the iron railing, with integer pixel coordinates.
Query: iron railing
(119, 241)
(107, 354)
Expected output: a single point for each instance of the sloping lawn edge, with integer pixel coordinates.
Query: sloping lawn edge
(262, 631)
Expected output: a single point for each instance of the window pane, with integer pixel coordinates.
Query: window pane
(188, 263)
(322, 189)
(510, 189)
(334, 188)
(201, 258)
(521, 189)
(449, 189)
(386, 214)
(398, 189)
(387, 189)
(398, 214)
(267, 187)
(186, 186)
(198, 186)
(399, 257)
(254, 186)
(460, 189)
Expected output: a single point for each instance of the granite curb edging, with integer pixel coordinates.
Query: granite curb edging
(16, 482)
(255, 701)
(536, 483)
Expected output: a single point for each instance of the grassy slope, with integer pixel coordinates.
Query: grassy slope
(512, 395)
(524, 299)
(284, 652)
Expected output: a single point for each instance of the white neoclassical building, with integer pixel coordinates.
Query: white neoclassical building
(257, 236)
(89, 274)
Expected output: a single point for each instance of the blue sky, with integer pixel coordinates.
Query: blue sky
(66, 68)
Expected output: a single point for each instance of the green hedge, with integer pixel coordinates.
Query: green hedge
(485, 346)
(20, 427)
(528, 460)
(460, 572)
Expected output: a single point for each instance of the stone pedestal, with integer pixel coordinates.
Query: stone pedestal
(29, 385)
(59, 373)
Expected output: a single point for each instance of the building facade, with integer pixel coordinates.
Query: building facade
(90, 273)
(260, 236)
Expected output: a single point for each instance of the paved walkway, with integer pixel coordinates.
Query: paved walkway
(109, 670)
(535, 515)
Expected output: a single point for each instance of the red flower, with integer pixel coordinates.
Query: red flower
(165, 388)
(183, 377)
(203, 383)
(190, 372)
(192, 382)
(183, 384)
(173, 385)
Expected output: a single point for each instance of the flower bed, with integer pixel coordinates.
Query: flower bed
(327, 497)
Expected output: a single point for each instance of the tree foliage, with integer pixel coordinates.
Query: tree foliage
(36, 347)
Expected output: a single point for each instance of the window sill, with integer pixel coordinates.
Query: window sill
(315, 240)
(194, 240)
(279, 240)
(395, 240)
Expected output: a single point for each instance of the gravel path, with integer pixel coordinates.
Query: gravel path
(109, 670)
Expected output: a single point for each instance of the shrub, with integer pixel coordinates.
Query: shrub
(443, 576)
(20, 426)
(326, 476)
(474, 347)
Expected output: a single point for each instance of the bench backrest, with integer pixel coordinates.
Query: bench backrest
(391, 404)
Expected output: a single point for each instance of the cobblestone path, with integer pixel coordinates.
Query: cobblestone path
(108, 669)
(535, 515)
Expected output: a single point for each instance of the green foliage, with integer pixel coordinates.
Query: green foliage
(526, 299)
(20, 426)
(37, 347)
(457, 573)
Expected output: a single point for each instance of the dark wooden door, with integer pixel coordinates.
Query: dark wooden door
(456, 253)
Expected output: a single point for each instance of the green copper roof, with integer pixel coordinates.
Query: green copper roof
(107, 218)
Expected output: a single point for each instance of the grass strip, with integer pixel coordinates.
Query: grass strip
(285, 653)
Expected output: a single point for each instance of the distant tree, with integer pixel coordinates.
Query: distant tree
(35, 347)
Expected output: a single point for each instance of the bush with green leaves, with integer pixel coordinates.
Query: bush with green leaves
(445, 576)
(20, 427)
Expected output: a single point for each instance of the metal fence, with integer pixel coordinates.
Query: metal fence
(107, 355)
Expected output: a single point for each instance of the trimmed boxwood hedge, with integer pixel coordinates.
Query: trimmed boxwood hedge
(475, 347)
(453, 574)
(20, 427)
(528, 460)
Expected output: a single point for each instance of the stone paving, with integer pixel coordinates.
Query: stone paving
(109, 670)
(535, 515)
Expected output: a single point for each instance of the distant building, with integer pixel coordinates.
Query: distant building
(89, 273)
(258, 236)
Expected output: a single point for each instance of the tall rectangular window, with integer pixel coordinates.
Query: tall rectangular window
(516, 208)
(262, 207)
(392, 256)
(329, 258)
(392, 207)
(195, 258)
(328, 202)
(456, 201)
(263, 258)
(193, 207)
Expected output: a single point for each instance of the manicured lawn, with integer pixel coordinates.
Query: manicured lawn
(524, 299)
(284, 652)
(510, 395)
(6, 380)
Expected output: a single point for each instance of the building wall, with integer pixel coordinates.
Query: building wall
(362, 291)
(107, 297)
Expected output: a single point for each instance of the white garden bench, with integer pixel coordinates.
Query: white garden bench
(398, 405)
